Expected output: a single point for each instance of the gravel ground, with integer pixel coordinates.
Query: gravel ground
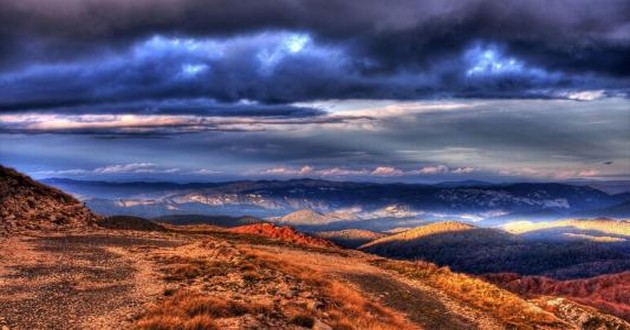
(75, 282)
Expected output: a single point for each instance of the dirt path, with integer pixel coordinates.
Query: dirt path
(424, 306)
(419, 306)
(76, 282)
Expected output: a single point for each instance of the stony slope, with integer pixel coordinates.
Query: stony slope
(28, 205)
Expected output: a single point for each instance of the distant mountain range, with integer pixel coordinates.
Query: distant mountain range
(466, 201)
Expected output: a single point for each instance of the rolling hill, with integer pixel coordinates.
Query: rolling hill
(476, 250)
(604, 225)
(308, 217)
(285, 234)
(350, 238)
(129, 223)
(213, 220)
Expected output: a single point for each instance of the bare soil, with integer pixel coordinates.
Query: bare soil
(75, 282)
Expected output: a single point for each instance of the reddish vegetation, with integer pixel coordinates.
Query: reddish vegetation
(610, 293)
(286, 234)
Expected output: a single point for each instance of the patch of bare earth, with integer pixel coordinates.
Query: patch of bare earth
(75, 282)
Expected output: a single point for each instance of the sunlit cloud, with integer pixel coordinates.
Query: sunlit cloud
(386, 171)
(156, 124)
(550, 173)
(131, 168)
(379, 171)
(585, 95)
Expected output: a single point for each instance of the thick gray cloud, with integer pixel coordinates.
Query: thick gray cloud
(402, 30)
(69, 53)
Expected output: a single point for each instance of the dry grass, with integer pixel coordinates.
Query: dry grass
(505, 306)
(190, 310)
(184, 268)
(345, 307)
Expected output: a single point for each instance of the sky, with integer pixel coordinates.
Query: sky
(396, 91)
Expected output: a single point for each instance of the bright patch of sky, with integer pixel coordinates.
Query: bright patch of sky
(490, 60)
(288, 45)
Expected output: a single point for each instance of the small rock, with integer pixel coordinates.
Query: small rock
(319, 325)
(292, 293)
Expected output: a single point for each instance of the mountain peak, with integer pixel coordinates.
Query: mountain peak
(307, 217)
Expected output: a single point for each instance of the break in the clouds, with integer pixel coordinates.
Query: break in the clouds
(399, 90)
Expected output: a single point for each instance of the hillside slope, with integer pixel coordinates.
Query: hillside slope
(28, 205)
(285, 234)
(408, 236)
(212, 220)
(612, 227)
(350, 238)
(470, 249)
(610, 293)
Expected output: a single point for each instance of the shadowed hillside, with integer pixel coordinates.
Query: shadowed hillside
(28, 205)
(212, 220)
(470, 249)
(129, 223)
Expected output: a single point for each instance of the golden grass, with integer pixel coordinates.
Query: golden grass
(507, 307)
(184, 268)
(187, 310)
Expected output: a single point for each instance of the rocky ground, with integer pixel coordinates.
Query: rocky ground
(76, 282)
(121, 279)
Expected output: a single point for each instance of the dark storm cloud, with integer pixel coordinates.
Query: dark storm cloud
(407, 31)
(75, 54)
(169, 107)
